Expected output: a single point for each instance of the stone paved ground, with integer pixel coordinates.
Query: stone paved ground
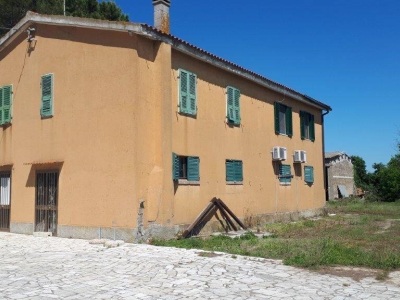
(48, 268)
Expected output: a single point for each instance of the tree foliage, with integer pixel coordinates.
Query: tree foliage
(361, 177)
(12, 11)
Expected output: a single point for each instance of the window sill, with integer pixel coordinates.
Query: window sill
(285, 183)
(187, 182)
(187, 114)
(234, 183)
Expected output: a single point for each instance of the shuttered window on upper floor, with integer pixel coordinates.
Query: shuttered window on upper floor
(187, 92)
(307, 126)
(47, 86)
(6, 95)
(283, 119)
(233, 105)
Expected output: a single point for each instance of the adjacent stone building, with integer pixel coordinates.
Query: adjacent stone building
(339, 175)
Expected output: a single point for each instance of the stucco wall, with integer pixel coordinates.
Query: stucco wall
(116, 124)
(105, 129)
(213, 140)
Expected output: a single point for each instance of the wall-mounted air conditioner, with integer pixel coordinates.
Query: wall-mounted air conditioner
(300, 156)
(279, 153)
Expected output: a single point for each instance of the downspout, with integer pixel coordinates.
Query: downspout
(323, 153)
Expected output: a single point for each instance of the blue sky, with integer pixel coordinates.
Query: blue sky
(345, 53)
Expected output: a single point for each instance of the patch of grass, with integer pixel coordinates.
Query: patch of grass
(357, 236)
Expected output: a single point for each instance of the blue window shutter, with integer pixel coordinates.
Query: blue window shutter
(7, 103)
(285, 170)
(1, 106)
(193, 173)
(230, 107)
(289, 122)
(238, 170)
(175, 166)
(183, 91)
(230, 170)
(46, 109)
(302, 125)
(276, 110)
(312, 128)
(308, 174)
(237, 106)
(192, 94)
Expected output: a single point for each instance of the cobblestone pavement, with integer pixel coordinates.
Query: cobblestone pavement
(48, 268)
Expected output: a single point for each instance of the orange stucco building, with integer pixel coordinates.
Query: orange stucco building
(120, 129)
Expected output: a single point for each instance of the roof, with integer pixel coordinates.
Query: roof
(333, 154)
(155, 34)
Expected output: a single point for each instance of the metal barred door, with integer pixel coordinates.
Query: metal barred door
(5, 200)
(46, 201)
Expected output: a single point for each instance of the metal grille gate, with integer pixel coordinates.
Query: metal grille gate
(5, 200)
(46, 201)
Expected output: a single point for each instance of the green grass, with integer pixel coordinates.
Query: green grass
(355, 236)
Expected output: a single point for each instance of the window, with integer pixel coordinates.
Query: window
(234, 170)
(309, 174)
(233, 105)
(283, 119)
(185, 167)
(307, 126)
(47, 84)
(187, 92)
(5, 104)
(285, 175)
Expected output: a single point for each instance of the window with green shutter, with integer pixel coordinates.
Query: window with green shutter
(185, 167)
(6, 93)
(285, 174)
(47, 85)
(234, 170)
(307, 126)
(187, 92)
(283, 119)
(233, 105)
(309, 174)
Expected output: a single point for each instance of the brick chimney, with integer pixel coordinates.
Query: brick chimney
(161, 14)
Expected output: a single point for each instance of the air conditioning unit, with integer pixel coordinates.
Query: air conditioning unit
(300, 156)
(279, 153)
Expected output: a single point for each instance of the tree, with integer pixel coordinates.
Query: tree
(12, 11)
(361, 177)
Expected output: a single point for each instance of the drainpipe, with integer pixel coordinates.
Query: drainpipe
(323, 153)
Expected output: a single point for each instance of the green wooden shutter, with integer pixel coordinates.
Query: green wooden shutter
(309, 174)
(230, 170)
(276, 109)
(302, 126)
(175, 166)
(230, 107)
(193, 173)
(192, 94)
(1, 106)
(46, 109)
(237, 106)
(183, 91)
(238, 170)
(312, 128)
(284, 170)
(289, 122)
(7, 103)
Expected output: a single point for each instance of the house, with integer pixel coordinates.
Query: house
(339, 175)
(115, 129)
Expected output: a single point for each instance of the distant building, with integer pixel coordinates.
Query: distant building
(339, 175)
